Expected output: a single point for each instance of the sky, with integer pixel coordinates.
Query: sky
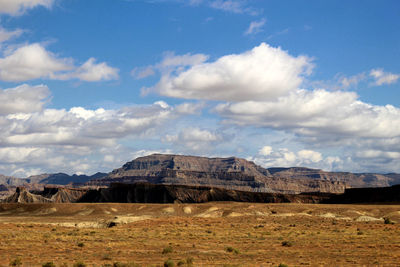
(86, 86)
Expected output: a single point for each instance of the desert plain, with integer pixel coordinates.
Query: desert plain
(209, 234)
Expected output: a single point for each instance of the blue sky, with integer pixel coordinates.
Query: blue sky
(89, 85)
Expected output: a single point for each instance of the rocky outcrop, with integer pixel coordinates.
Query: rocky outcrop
(11, 181)
(48, 195)
(22, 195)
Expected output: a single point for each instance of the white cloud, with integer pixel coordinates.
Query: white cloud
(91, 72)
(7, 35)
(262, 73)
(193, 139)
(190, 108)
(234, 6)
(255, 27)
(352, 81)
(23, 99)
(309, 155)
(382, 77)
(18, 7)
(141, 73)
(26, 122)
(283, 157)
(169, 63)
(33, 61)
(318, 113)
(172, 60)
(35, 138)
(375, 154)
(20, 154)
(323, 119)
(265, 151)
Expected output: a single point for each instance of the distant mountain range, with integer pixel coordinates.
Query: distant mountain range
(229, 173)
(55, 179)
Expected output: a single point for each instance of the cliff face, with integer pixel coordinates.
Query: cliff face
(390, 195)
(150, 193)
(158, 193)
(352, 180)
(229, 173)
(156, 163)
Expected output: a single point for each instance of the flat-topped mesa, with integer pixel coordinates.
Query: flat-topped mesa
(156, 163)
(229, 173)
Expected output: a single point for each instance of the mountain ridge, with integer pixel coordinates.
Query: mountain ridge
(231, 173)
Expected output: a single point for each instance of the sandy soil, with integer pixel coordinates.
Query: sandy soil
(210, 234)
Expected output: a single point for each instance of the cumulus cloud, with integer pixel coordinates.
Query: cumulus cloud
(265, 151)
(20, 154)
(18, 7)
(36, 138)
(23, 99)
(25, 121)
(382, 77)
(318, 113)
(283, 157)
(33, 61)
(326, 119)
(262, 73)
(193, 139)
(255, 27)
(91, 72)
(190, 108)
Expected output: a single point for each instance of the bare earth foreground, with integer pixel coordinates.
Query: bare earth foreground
(210, 234)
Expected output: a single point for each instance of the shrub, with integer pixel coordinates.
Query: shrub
(16, 262)
(167, 250)
(169, 263)
(287, 244)
(283, 265)
(387, 221)
(106, 257)
(81, 245)
(181, 263)
(79, 264)
(48, 264)
(231, 249)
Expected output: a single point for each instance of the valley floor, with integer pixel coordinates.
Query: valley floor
(209, 234)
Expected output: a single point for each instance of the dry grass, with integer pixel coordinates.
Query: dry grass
(262, 235)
